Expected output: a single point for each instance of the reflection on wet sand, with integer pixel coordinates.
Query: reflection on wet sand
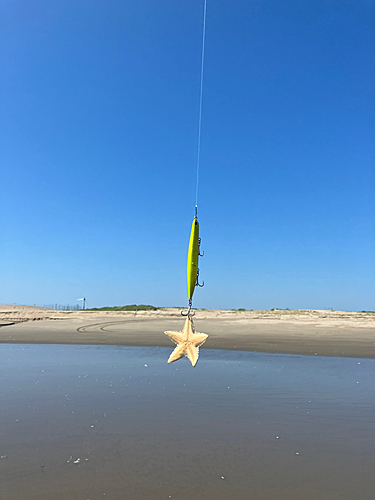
(118, 422)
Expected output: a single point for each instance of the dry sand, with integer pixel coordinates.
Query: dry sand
(312, 332)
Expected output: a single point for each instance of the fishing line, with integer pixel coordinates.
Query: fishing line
(188, 342)
(200, 104)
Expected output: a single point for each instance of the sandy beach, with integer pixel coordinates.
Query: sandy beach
(311, 332)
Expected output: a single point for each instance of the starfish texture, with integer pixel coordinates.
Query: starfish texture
(188, 343)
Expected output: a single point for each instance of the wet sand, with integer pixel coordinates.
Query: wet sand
(319, 333)
(108, 418)
(94, 422)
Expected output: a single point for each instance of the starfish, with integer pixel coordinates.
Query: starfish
(188, 343)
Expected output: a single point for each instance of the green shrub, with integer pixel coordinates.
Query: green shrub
(132, 307)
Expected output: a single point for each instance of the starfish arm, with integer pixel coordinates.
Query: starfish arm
(177, 337)
(199, 339)
(178, 353)
(188, 328)
(192, 352)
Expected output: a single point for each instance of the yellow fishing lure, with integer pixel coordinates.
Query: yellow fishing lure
(192, 260)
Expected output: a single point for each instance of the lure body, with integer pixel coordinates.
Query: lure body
(192, 260)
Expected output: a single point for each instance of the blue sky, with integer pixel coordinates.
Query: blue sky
(99, 121)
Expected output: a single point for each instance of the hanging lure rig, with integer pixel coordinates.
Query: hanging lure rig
(188, 341)
(194, 252)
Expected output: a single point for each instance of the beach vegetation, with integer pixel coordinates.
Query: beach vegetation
(131, 307)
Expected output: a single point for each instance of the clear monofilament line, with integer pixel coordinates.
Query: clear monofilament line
(200, 103)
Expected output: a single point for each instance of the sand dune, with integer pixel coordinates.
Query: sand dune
(330, 333)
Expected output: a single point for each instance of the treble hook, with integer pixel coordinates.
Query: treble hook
(189, 312)
(197, 282)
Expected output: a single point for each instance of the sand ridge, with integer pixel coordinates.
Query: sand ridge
(15, 313)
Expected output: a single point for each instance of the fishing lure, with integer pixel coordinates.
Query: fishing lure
(192, 262)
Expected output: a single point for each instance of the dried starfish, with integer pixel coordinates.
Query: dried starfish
(188, 343)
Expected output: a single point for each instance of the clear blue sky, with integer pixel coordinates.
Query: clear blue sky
(99, 120)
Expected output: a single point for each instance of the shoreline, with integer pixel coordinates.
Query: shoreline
(310, 332)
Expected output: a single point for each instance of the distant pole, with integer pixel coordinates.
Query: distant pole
(83, 302)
